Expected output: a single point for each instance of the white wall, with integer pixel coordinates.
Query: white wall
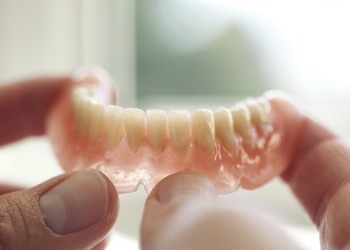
(41, 36)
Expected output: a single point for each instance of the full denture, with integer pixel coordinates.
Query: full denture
(132, 146)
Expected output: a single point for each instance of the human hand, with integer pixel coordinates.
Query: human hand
(71, 211)
(181, 213)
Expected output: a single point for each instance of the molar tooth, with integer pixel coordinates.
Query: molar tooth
(96, 121)
(203, 131)
(84, 114)
(114, 125)
(135, 127)
(259, 110)
(77, 102)
(179, 124)
(156, 129)
(265, 109)
(224, 128)
(242, 121)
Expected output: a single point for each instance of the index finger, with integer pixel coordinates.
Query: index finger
(319, 177)
(24, 105)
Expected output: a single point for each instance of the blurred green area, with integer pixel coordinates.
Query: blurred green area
(227, 65)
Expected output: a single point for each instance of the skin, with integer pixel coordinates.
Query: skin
(181, 212)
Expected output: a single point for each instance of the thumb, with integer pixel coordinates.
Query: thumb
(71, 211)
(181, 213)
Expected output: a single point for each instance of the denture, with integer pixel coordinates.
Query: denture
(242, 146)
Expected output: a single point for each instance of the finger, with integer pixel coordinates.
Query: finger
(164, 204)
(180, 213)
(24, 105)
(72, 211)
(4, 189)
(320, 177)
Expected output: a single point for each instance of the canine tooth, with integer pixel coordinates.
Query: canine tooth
(135, 127)
(203, 130)
(179, 124)
(259, 111)
(156, 129)
(242, 121)
(114, 125)
(96, 121)
(224, 128)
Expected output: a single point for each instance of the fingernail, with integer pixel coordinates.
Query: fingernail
(185, 185)
(76, 203)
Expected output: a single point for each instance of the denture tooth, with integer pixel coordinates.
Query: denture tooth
(259, 111)
(75, 99)
(224, 128)
(156, 129)
(114, 125)
(265, 109)
(179, 124)
(96, 121)
(77, 102)
(135, 127)
(242, 121)
(84, 113)
(203, 131)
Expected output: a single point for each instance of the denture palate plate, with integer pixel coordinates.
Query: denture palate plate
(157, 133)
(242, 121)
(203, 131)
(179, 125)
(135, 127)
(114, 120)
(224, 129)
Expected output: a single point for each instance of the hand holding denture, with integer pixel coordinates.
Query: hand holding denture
(245, 146)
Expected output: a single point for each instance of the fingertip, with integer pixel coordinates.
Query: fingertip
(113, 199)
(184, 185)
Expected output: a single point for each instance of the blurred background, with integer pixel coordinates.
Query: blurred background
(184, 54)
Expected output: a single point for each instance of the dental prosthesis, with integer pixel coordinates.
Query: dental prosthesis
(246, 145)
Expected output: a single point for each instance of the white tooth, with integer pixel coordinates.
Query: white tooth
(96, 121)
(84, 113)
(114, 125)
(77, 102)
(179, 124)
(224, 128)
(242, 121)
(265, 109)
(156, 129)
(259, 110)
(135, 127)
(203, 131)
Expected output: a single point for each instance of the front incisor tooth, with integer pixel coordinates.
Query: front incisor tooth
(224, 129)
(135, 127)
(156, 129)
(203, 131)
(242, 121)
(96, 121)
(114, 125)
(179, 124)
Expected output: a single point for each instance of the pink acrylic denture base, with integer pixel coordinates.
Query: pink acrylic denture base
(253, 164)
